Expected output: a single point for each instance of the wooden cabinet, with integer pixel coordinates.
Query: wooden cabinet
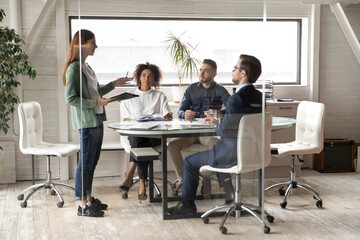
(280, 167)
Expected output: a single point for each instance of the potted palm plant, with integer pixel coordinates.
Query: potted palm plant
(13, 62)
(182, 56)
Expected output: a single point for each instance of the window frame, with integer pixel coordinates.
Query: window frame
(298, 81)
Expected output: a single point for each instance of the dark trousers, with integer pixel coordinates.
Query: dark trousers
(192, 165)
(138, 142)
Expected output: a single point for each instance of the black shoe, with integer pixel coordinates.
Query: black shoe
(125, 188)
(89, 211)
(96, 203)
(142, 197)
(183, 208)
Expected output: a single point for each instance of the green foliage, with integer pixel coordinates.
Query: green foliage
(181, 53)
(13, 62)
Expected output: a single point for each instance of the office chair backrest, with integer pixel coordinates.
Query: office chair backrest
(31, 125)
(250, 145)
(310, 124)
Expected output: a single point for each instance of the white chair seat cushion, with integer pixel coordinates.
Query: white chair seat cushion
(207, 169)
(295, 148)
(53, 149)
(146, 151)
(111, 145)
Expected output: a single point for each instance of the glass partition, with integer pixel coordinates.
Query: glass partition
(252, 183)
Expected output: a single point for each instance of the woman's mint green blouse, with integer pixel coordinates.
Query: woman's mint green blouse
(85, 118)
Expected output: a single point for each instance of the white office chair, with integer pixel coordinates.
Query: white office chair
(308, 140)
(31, 142)
(249, 154)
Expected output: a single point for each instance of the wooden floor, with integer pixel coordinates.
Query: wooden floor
(128, 219)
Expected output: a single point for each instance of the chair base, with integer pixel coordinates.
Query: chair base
(290, 185)
(237, 207)
(48, 185)
(293, 184)
(251, 209)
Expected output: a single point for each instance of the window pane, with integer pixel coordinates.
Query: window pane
(124, 43)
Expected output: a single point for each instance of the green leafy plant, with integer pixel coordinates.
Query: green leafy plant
(182, 55)
(13, 62)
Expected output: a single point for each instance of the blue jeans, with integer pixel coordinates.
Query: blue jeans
(90, 148)
(192, 165)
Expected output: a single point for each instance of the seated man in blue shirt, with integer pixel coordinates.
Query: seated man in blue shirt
(246, 100)
(198, 99)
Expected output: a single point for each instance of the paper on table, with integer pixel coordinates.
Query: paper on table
(144, 125)
(195, 123)
(149, 117)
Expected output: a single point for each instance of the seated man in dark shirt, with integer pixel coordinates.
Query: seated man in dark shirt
(246, 100)
(199, 98)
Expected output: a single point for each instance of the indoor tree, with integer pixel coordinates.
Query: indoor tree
(182, 55)
(13, 62)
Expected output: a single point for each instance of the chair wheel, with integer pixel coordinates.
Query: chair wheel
(60, 204)
(20, 197)
(125, 195)
(53, 192)
(223, 230)
(319, 203)
(23, 204)
(158, 195)
(205, 220)
(270, 218)
(281, 192)
(266, 229)
(175, 192)
(283, 204)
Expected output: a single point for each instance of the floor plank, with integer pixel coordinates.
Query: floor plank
(128, 219)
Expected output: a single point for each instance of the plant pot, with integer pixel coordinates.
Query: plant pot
(178, 93)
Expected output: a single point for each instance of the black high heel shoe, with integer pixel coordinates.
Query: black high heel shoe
(142, 197)
(125, 188)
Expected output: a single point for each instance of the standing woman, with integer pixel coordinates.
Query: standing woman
(84, 95)
(150, 101)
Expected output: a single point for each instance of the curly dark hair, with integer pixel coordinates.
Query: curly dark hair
(153, 68)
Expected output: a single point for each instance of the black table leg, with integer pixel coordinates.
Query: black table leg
(164, 178)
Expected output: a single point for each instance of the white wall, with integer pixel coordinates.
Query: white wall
(340, 76)
(339, 71)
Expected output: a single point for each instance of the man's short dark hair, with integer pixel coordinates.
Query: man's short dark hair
(210, 62)
(252, 66)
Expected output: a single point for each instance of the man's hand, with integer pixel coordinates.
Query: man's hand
(211, 120)
(189, 114)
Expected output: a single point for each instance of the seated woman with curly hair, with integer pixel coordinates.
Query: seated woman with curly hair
(150, 101)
